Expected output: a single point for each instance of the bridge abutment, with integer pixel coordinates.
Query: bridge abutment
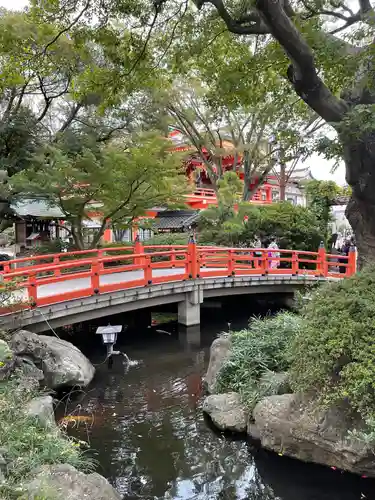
(189, 310)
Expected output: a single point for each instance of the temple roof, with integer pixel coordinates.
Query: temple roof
(37, 207)
(175, 220)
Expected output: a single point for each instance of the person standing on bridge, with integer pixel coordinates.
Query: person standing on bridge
(273, 255)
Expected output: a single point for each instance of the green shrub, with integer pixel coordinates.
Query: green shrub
(295, 227)
(5, 352)
(168, 239)
(27, 443)
(261, 348)
(334, 353)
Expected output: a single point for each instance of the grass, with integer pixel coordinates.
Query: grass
(27, 444)
(259, 358)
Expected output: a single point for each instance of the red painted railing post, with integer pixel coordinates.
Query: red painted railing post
(32, 290)
(231, 263)
(173, 257)
(101, 264)
(321, 264)
(352, 261)
(138, 249)
(264, 262)
(147, 269)
(56, 262)
(193, 258)
(95, 272)
(295, 264)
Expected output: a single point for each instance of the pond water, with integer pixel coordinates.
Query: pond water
(146, 429)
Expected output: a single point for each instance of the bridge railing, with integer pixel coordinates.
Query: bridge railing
(45, 280)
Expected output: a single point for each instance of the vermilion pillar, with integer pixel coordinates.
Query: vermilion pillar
(108, 235)
(268, 190)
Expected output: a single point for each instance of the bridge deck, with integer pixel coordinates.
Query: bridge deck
(69, 285)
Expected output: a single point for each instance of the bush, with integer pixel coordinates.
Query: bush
(261, 349)
(27, 444)
(334, 354)
(295, 227)
(168, 239)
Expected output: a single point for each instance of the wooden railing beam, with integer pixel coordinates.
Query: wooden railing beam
(193, 261)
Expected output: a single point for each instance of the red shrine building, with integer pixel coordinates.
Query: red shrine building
(36, 221)
(202, 193)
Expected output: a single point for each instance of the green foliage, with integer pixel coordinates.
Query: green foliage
(27, 443)
(260, 349)
(61, 78)
(334, 355)
(294, 226)
(320, 195)
(168, 239)
(5, 352)
(122, 181)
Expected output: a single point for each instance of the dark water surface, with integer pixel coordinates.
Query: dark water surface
(152, 441)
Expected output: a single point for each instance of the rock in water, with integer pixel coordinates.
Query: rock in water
(62, 363)
(42, 408)
(219, 354)
(64, 482)
(226, 411)
(296, 427)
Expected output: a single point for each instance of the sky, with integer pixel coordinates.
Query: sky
(320, 168)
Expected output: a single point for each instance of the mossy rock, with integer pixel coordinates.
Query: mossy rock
(6, 353)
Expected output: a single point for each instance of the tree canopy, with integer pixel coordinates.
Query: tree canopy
(234, 223)
(120, 180)
(95, 58)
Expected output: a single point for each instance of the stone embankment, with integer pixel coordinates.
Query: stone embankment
(290, 424)
(39, 362)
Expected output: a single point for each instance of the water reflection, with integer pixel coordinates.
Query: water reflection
(153, 442)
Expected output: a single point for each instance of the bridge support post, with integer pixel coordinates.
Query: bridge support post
(189, 310)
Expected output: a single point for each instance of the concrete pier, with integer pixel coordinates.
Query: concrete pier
(189, 310)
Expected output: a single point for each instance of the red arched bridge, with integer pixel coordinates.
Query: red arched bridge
(71, 287)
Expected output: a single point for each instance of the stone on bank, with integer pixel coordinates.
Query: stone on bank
(64, 482)
(42, 409)
(226, 411)
(220, 352)
(297, 427)
(289, 424)
(63, 365)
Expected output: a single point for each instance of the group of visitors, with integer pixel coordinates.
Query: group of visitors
(342, 253)
(273, 251)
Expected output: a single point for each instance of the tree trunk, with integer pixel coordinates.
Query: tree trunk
(359, 157)
(282, 181)
(95, 242)
(247, 192)
(77, 237)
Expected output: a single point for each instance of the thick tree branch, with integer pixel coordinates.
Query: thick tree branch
(302, 73)
(67, 28)
(7, 112)
(70, 118)
(251, 24)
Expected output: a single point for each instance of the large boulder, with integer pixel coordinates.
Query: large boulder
(64, 482)
(63, 365)
(226, 411)
(219, 354)
(42, 408)
(296, 426)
